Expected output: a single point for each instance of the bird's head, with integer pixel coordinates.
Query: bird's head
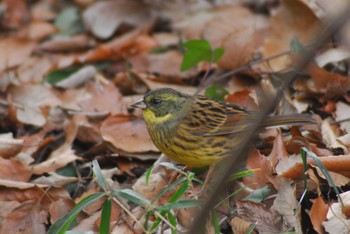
(164, 101)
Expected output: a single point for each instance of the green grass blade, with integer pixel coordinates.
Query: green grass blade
(323, 170)
(216, 222)
(181, 191)
(168, 188)
(99, 176)
(63, 223)
(148, 174)
(106, 216)
(186, 203)
(258, 195)
(172, 221)
(132, 196)
(241, 174)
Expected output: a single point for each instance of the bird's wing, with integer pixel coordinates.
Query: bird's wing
(211, 118)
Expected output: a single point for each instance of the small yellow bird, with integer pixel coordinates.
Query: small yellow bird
(197, 131)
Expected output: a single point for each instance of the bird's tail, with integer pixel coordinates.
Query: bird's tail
(293, 119)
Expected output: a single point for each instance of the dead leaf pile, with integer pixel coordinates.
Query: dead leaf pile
(69, 71)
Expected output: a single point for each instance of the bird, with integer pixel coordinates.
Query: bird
(197, 131)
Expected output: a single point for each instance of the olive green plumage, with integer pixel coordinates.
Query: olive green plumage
(198, 131)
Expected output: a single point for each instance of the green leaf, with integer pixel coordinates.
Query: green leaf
(69, 22)
(241, 174)
(168, 188)
(216, 222)
(172, 221)
(218, 53)
(148, 174)
(58, 75)
(251, 228)
(198, 51)
(132, 196)
(69, 171)
(258, 195)
(99, 176)
(216, 92)
(186, 203)
(106, 216)
(181, 191)
(63, 223)
(296, 46)
(323, 169)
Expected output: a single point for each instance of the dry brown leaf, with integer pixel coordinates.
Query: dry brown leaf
(27, 218)
(244, 98)
(267, 221)
(115, 216)
(262, 169)
(54, 179)
(132, 43)
(9, 146)
(330, 139)
(278, 152)
(341, 113)
(152, 84)
(14, 52)
(332, 56)
(293, 19)
(80, 42)
(240, 226)
(15, 15)
(104, 18)
(323, 82)
(12, 169)
(33, 70)
(58, 159)
(318, 214)
(337, 221)
(167, 65)
(286, 203)
(122, 228)
(294, 168)
(88, 224)
(30, 99)
(127, 134)
(239, 32)
(38, 30)
(103, 97)
(78, 78)
(157, 182)
(59, 208)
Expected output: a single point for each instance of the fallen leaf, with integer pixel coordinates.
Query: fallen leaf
(239, 225)
(127, 134)
(293, 19)
(286, 203)
(337, 221)
(267, 221)
(26, 218)
(104, 18)
(14, 52)
(58, 159)
(318, 214)
(261, 166)
(12, 169)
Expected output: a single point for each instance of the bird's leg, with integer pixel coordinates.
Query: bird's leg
(202, 191)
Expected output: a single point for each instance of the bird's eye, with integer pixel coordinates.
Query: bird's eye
(155, 102)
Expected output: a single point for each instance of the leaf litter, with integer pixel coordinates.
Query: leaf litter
(70, 70)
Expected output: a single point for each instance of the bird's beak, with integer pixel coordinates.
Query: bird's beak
(139, 104)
